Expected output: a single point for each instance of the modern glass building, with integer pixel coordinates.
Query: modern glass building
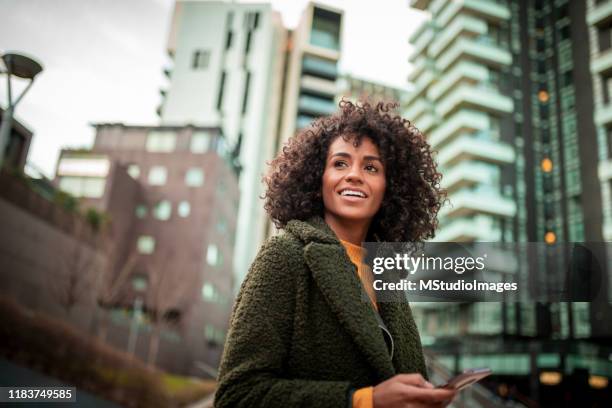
(502, 90)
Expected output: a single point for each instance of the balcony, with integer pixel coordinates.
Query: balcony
(426, 122)
(465, 71)
(483, 97)
(604, 170)
(602, 63)
(603, 115)
(470, 148)
(418, 66)
(315, 106)
(420, 86)
(319, 85)
(488, 10)
(320, 67)
(478, 228)
(481, 49)
(417, 109)
(464, 121)
(472, 202)
(468, 174)
(599, 15)
(607, 231)
(423, 41)
(461, 26)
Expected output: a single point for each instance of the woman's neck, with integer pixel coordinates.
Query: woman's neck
(351, 231)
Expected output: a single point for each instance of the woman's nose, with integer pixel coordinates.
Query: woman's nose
(354, 175)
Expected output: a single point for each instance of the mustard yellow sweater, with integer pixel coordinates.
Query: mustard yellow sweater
(363, 397)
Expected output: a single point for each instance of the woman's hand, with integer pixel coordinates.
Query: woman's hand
(410, 391)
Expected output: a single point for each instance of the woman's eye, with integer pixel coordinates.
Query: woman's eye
(371, 168)
(340, 164)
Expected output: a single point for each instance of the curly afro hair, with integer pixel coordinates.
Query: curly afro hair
(413, 195)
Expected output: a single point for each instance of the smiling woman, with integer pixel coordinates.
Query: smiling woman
(300, 333)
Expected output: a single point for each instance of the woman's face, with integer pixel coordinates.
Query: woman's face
(353, 180)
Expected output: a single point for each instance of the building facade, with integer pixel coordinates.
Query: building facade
(226, 71)
(172, 199)
(310, 84)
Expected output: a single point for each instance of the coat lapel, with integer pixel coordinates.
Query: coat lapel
(337, 279)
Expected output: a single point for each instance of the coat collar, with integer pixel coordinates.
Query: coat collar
(336, 277)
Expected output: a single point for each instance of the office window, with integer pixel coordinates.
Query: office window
(194, 177)
(213, 256)
(163, 210)
(183, 209)
(158, 175)
(200, 59)
(200, 142)
(141, 211)
(134, 171)
(146, 244)
(161, 141)
(90, 187)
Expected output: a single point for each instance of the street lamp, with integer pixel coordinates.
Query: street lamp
(22, 67)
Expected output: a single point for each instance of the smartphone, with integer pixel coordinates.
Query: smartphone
(466, 378)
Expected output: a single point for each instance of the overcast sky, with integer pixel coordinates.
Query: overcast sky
(103, 59)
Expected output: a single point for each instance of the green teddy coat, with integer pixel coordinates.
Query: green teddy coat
(300, 334)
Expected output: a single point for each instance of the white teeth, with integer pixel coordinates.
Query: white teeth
(352, 193)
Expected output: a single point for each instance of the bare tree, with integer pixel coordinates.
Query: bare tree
(109, 287)
(75, 270)
(164, 300)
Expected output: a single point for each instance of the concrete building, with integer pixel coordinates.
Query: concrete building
(310, 84)
(172, 198)
(502, 91)
(227, 66)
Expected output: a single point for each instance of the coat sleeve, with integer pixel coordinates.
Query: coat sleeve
(252, 372)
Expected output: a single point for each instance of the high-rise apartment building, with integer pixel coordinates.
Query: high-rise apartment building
(172, 198)
(503, 93)
(310, 86)
(227, 65)
(354, 89)
(599, 20)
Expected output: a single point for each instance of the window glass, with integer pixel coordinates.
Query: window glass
(91, 187)
(194, 177)
(184, 208)
(158, 175)
(146, 244)
(141, 211)
(200, 142)
(139, 283)
(213, 256)
(208, 292)
(134, 171)
(84, 166)
(161, 141)
(163, 210)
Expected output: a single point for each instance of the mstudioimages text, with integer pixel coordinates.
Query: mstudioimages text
(440, 285)
(411, 264)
